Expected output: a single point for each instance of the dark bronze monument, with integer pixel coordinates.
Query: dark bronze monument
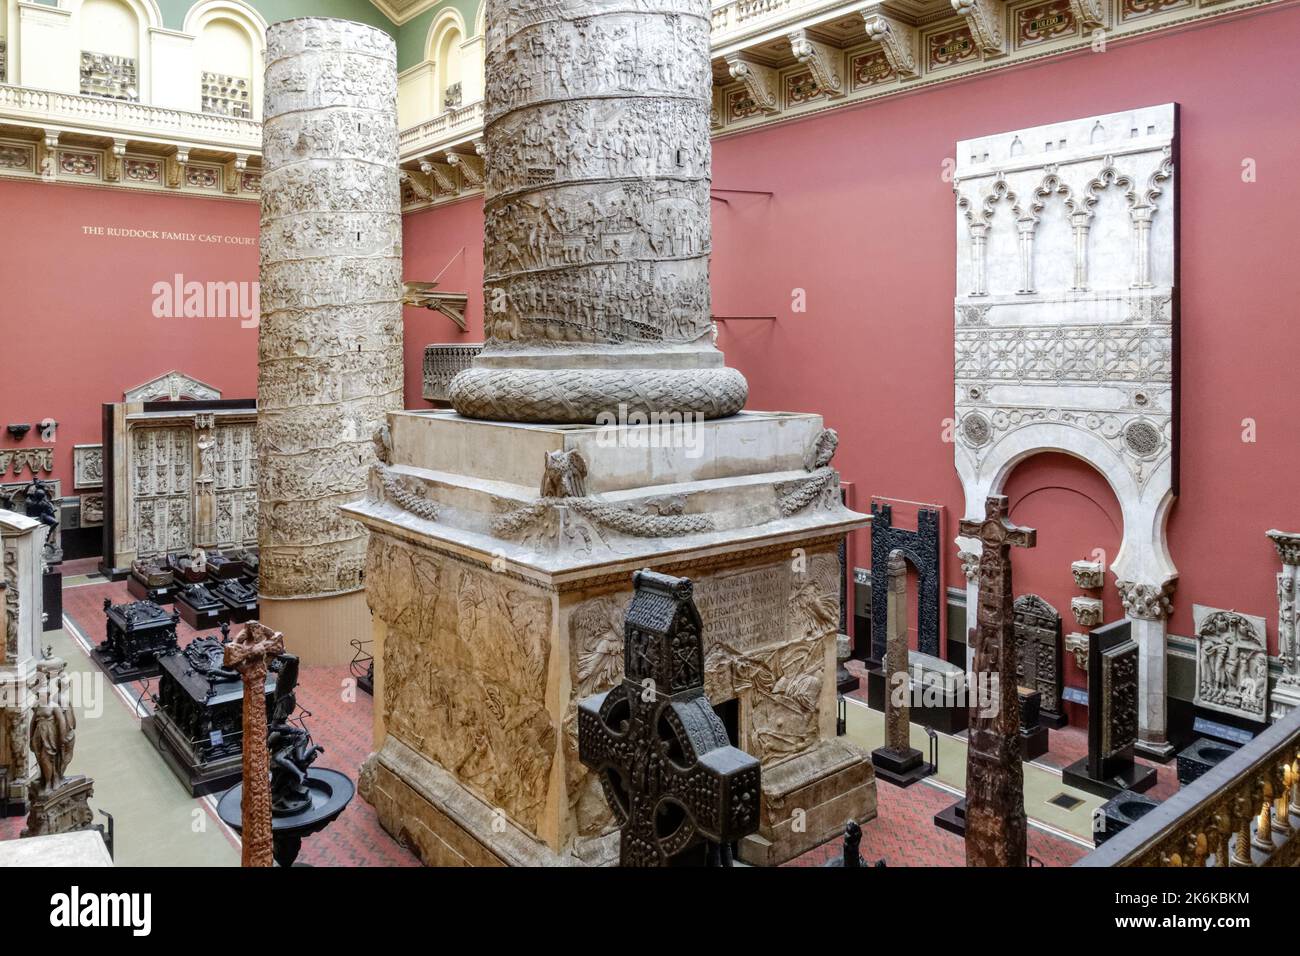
(1038, 655)
(681, 793)
(137, 635)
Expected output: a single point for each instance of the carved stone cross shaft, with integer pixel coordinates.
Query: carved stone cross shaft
(669, 771)
(250, 654)
(995, 805)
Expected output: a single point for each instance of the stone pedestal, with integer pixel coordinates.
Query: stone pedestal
(61, 810)
(330, 339)
(498, 607)
(22, 540)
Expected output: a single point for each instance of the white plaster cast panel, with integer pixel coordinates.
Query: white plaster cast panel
(87, 466)
(1065, 320)
(1231, 662)
(170, 387)
(330, 340)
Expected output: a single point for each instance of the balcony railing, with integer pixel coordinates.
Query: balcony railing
(1243, 812)
(444, 130)
(116, 117)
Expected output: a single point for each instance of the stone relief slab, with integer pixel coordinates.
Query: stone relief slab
(1231, 662)
(87, 466)
(765, 629)
(465, 672)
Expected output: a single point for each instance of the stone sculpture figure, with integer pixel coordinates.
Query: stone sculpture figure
(565, 475)
(596, 260)
(250, 654)
(678, 789)
(59, 801)
(995, 808)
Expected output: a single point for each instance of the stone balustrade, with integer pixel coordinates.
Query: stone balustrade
(1243, 812)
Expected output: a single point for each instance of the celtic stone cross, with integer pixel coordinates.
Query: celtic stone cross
(250, 653)
(669, 772)
(995, 806)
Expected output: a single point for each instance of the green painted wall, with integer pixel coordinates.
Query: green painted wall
(364, 11)
(412, 35)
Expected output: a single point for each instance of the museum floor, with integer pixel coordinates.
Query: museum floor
(158, 823)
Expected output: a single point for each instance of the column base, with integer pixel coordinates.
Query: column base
(318, 629)
(1161, 752)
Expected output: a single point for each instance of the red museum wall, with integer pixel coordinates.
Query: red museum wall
(862, 220)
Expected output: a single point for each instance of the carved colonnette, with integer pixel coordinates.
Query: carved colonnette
(330, 338)
(1066, 315)
(177, 476)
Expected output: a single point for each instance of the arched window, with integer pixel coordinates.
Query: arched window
(109, 36)
(449, 80)
(230, 37)
(446, 35)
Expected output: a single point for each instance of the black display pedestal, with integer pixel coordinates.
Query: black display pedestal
(949, 717)
(1132, 776)
(238, 598)
(953, 818)
(136, 636)
(1199, 756)
(902, 768)
(1033, 735)
(1119, 813)
(330, 792)
(197, 724)
(1109, 767)
(143, 592)
(52, 598)
(199, 607)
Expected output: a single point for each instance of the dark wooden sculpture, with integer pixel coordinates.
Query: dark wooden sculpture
(681, 793)
(995, 805)
(250, 653)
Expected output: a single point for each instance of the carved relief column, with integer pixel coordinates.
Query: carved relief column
(330, 340)
(596, 271)
(1079, 222)
(1148, 606)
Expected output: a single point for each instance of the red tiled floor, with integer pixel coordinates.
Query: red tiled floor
(904, 834)
(338, 717)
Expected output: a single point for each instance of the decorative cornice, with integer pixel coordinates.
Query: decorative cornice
(897, 40)
(761, 82)
(985, 19)
(1091, 14)
(825, 61)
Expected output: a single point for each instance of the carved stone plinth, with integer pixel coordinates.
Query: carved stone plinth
(61, 810)
(596, 266)
(330, 339)
(497, 607)
(21, 542)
